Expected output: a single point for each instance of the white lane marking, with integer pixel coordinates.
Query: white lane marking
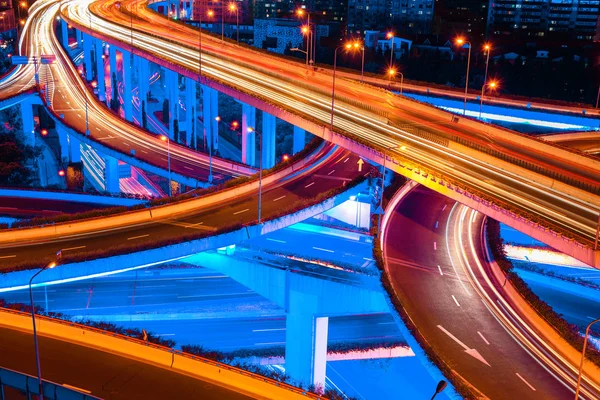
(435, 245)
(527, 383)
(310, 184)
(239, 212)
(73, 248)
(437, 223)
(9, 256)
(368, 259)
(318, 248)
(279, 198)
(193, 225)
(445, 205)
(98, 129)
(268, 330)
(587, 316)
(186, 167)
(276, 240)
(144, 151)
(137, 237)
(164, 334)
(346, 160)
(268, 343)
(440, 269)
(332, 171)
(483, 337)
(126, 144)
(76, 388)
(456, 301)
(386, 323)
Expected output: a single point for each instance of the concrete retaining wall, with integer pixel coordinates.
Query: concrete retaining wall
(72, 197)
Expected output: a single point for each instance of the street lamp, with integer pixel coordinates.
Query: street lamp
(347, 46)
(35, 338)
(165, 138)
(390, 36)
(587, 334)
(308, 32)
(22, 4)
(492, 86)
(462, 42)
(232, 8)
(487, 48)
(440, 388)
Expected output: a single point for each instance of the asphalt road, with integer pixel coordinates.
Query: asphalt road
(19, 207)
(333, 169)
(443, 304)
(105, 375)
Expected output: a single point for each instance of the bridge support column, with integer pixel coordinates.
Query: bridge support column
(210, 111)
(143, 78)
(172, 94)
(28, 123)
(127, 86)
(74, 149)
(78, 35)
(248, 138)
(112, 59)
(190, 110)
(299, 139)
(64, 144)
(111, 174)
(99, 51)
(64, 34)
(87, 57)
(268, 140)
(306, 348)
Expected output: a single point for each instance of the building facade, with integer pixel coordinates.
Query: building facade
(453, 18)
(7, 16)
(552, 19)
(400, 16)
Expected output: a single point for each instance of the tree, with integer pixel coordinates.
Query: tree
(13, 158)
(144, 116)
(165, 112)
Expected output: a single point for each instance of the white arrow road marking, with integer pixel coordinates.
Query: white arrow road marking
(527, 383)
(472, 352)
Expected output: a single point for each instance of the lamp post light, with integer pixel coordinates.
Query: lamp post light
(347, 46)
(362, 65)
(390, 36)
(585, 340)
(462, 42)
(487, 49)
(35, 338)
(22, 4)
(440, 388)
(492, 86)
(233, 7)
(382, 189)
(165, 138)
(260, 156)
(309, 36)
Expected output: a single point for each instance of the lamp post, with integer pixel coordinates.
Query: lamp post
(232, 8)
(440, 388)
(390, 36)
(222, 22)
(348, 46)
(165, 138)
(35, 338)
(492, 85)
(362, 66)
(22, 4)
(307, 31)
(585, 340)
(487, 48)
(462, 42)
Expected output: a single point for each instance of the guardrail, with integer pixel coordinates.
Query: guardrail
(28, 384)
(144, 356)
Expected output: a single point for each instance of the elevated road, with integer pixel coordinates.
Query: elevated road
(544, 183)
(584, 141)
(434, 257)
(68, 97)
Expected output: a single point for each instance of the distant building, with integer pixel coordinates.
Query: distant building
(433, 44)
(412, 16)
(213, 11)
(554, 19)
(379, 40)
(460, 17)
(368, 15)
(7, 16)
(275, 35)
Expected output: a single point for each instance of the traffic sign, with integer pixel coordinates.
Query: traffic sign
(18, 60)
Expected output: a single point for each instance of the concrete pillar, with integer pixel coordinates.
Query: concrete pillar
(111, 174)
(143, 78)
(190, 109)
(268, 140)
(99, 51)
(248, 138)
(74, 149)
(28, 123)
(210, 111)
(64, 144)
(112, 59)
(127, 85)
(87, 57)
(172, 93)
(78, 34)
(299, 139)
(306, 348)
(64, 33)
